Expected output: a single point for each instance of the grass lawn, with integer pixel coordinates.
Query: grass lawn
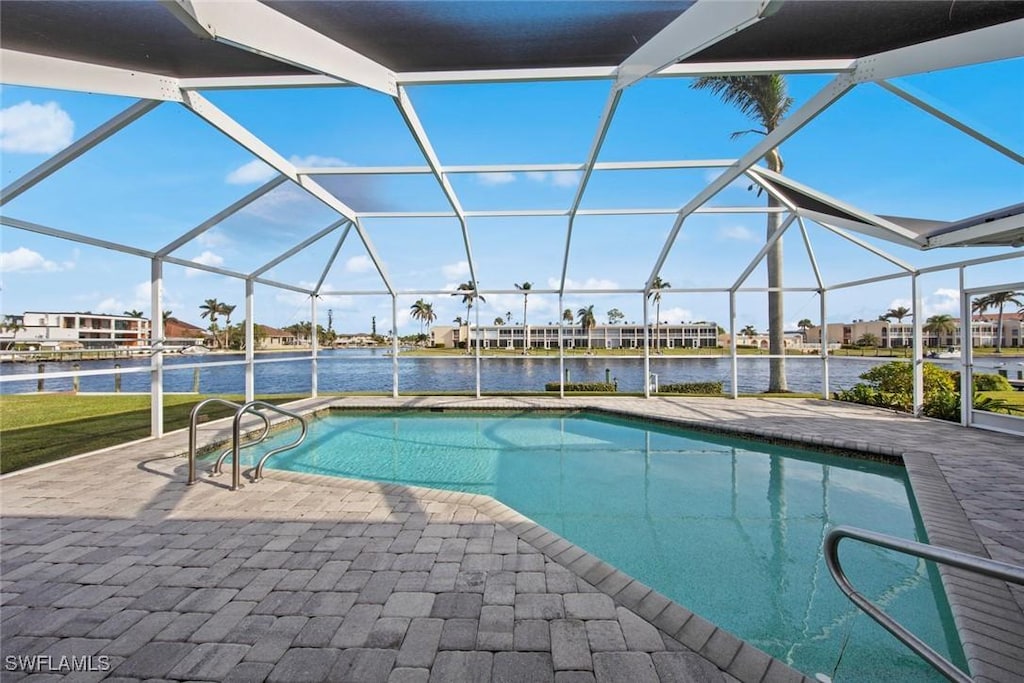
(40, 428)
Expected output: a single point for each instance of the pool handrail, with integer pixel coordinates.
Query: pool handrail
(193, 418)
(257, 473)
(954, 558)
(218, 467)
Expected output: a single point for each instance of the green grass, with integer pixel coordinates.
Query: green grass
(1014, 398)
(41, 428)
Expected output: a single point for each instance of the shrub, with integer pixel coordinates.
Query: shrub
(582, 386)
(892, 386)
(691, 388)
(991, 383)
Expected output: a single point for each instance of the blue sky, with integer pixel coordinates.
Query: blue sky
(169, 171)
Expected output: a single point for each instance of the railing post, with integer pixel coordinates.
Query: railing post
(40, 382)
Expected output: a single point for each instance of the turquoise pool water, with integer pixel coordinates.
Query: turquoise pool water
(731, 529)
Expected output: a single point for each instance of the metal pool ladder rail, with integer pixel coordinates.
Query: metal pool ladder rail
(953, 558)
(254, 408)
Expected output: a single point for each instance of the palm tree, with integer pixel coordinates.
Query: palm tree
(428, 315)
(999, 300)
(939, 325)
(165, 316)
(226, 310)
(525, 288)
(11, 324)
(763, 98)
(749, 331)
(587, 321)
(656, 286)
(417, 312)
(457, 320)
(900, 312)
(868, 339)
(499, 321)
(468, 292)
(133, 313)
(211, 308)
(567, 316)
(805, 325)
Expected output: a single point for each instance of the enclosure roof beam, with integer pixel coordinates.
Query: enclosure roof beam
(221, 215)
(299, 247)
(826, 222)
(225, 124)
(769, 243)
(989, 44)
(701, 25)
(74, 237)
(588, 168)
(258, 28)
(570, 73)
(412, 120)
(334, 255)
(76, 149)
(956, 123)
(40, 71)
(814, 106)
(515, 168)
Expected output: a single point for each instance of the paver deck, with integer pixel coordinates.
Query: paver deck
(306, 578)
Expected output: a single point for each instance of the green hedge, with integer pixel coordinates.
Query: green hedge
(582, 386)
(691, 388)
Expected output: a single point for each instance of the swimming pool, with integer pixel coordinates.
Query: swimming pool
(729, 528)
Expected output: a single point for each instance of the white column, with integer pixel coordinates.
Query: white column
(315, 345)
(733, 346)
(966, 355)
(823, 337)
(156, 360)
(250, 341)
(561, 348)
(477, 346)
(647, 350)
(394, 346)
(915, 293)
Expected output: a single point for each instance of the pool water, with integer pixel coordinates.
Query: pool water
(729, 528)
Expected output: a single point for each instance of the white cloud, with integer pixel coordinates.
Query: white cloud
(675, 314)
(942, 301)
(27, 261)
(556, 178)
(492, 179)
(110, 306)
(207, 258)
(359, 264)
(251, 173)
(213, 238)
(565, 178)
(736, 232)
(454, 271)
(316, 161)
(589, 283)
(35, 128)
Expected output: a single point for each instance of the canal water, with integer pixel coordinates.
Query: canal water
(370, 370)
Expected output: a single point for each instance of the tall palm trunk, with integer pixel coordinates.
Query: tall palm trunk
(776, 314)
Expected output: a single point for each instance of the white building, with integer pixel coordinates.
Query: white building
(669, 336)
(91, 330)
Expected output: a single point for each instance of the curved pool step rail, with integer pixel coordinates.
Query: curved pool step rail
(255, 407)
(193, 420)
(218, 467)
(954, 558)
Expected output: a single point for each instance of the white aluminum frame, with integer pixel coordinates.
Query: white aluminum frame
(261, 29)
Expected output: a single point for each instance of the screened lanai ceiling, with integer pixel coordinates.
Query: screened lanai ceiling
(173, 51)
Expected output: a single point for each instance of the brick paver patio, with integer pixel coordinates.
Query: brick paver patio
(308, 578)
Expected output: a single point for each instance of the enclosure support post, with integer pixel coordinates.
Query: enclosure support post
(733, 346)
(314, 347)
(477, 335)
(561, 348)
(966, 355)
(918, 365)
(394, 346)
(823, 338)
(647, 349)
(250, 341)
(156, 360)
